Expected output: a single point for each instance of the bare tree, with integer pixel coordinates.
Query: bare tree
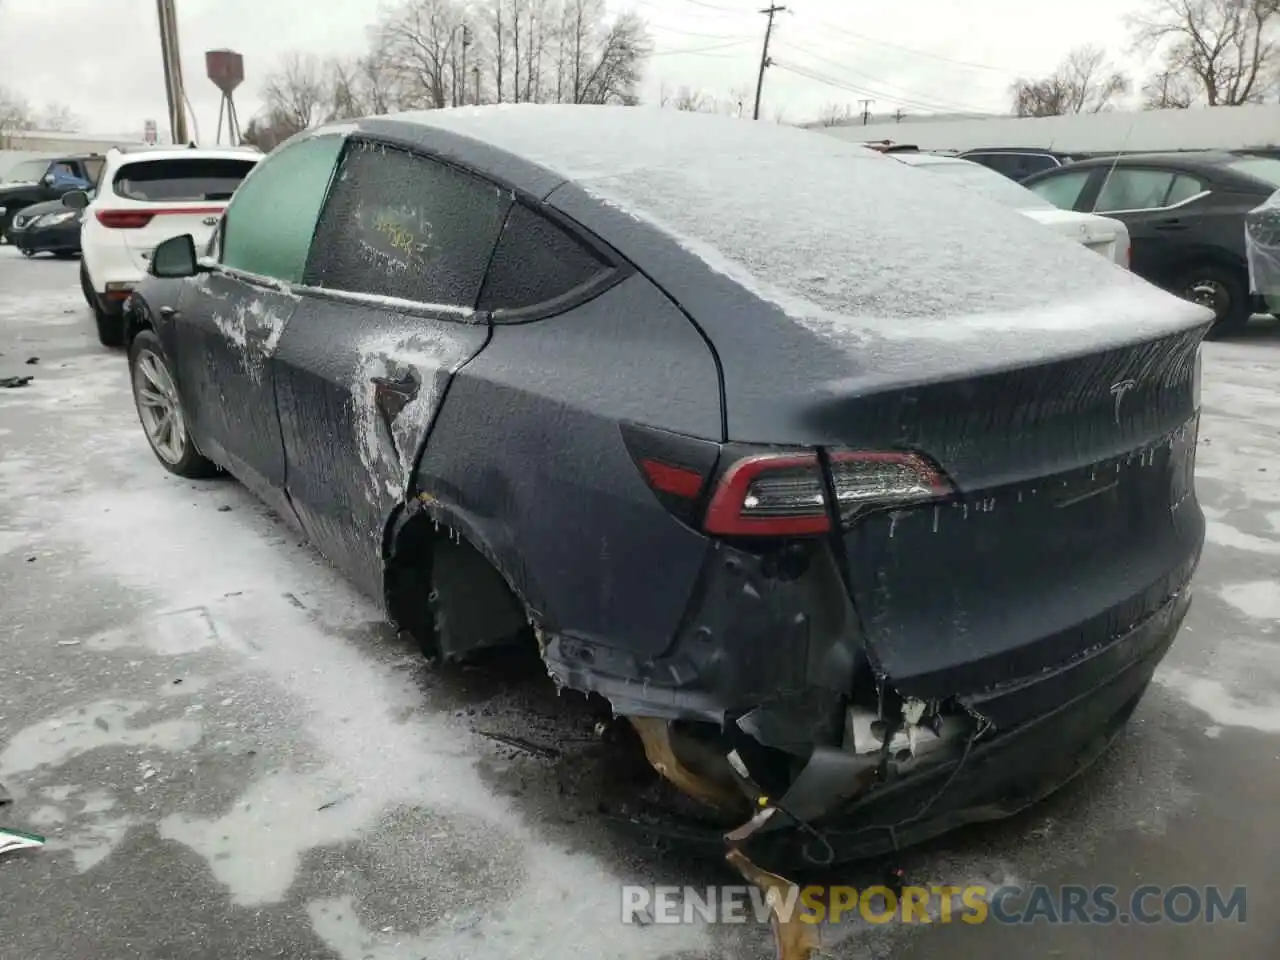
(1224, 49)
(1082, 83)
(606, 60)
(1168, 90)
(693, 101)
(834, 114)
(15, 115)
(418, 40)
(296, 92)
(57, 117)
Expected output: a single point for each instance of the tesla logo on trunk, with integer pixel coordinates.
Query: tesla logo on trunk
(1118, 390)
(210, 221)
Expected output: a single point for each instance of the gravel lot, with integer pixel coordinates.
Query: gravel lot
(231, 757)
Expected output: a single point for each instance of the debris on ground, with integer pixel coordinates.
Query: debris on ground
(11, 840)
(32, 361)
(12, 382)
(520, 743)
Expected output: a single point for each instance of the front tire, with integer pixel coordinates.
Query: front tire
(155, 395)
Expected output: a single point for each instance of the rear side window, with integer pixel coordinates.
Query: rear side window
(268, 226)
(180, 180)
(1062, 191)
(1184, 188)
(536, 261)
(1134, 190)
(404, 226)
(999, 162)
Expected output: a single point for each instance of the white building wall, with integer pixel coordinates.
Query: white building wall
(1204, 128)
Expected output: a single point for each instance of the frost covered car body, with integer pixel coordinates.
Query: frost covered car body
(844, 485)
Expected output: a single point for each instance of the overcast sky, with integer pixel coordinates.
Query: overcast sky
(102, 57)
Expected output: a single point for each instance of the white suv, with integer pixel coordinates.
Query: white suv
(146, 196)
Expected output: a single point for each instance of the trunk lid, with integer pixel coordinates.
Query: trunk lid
(1073, 519)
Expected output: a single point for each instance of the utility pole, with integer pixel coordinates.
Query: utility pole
(173, 86)
(866, 110)
(475, 72)
(764, 56)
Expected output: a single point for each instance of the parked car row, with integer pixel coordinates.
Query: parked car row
(1186, 218)
(1185, 211)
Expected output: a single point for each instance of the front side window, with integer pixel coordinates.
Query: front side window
(268, 226)
(180, 181)
(1134, 190)
(1063, 190)
(536, 261)
(408, 227)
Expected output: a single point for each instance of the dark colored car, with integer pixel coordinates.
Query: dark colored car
(849, 489)
(1018, 163)
(43, 179)
(47, 227)
(1185, 213)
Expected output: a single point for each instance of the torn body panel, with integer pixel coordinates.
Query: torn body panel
(358, 387)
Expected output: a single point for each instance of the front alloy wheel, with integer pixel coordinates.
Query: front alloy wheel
(160, 410)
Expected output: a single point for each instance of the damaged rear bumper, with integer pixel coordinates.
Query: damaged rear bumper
(993, 778)
(764, 675)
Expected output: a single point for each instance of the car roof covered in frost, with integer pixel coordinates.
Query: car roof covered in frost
(847, 242)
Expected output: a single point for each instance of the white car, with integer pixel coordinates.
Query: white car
(144, 197)
(1105, 235)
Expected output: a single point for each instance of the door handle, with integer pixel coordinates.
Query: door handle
(1171, 224)
(393, 395)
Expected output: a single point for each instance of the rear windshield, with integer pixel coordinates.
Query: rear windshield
(173, 180)
(992, 185)
(1266, 169)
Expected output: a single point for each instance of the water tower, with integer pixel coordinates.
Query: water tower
(226, 69)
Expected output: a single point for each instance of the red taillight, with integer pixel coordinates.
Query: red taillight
(785, 494)
(124, 219)
(678, 481)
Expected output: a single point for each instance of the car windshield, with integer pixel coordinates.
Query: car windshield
(28, 171)
(992, 185)
(1266, 169)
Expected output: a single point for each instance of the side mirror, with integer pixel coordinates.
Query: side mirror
(75, 199)
(175, 258)
(48, 179)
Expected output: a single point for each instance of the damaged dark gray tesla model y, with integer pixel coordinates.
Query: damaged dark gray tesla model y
(868, 502)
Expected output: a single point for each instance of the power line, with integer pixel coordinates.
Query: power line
(701, 51)
(916, 52)
(818, 77)
(764, 56)
(916, 94)
(712, 6)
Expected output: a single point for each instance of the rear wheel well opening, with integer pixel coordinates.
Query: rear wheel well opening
(446, 593)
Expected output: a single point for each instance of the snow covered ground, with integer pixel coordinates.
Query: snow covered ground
(232, 757)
